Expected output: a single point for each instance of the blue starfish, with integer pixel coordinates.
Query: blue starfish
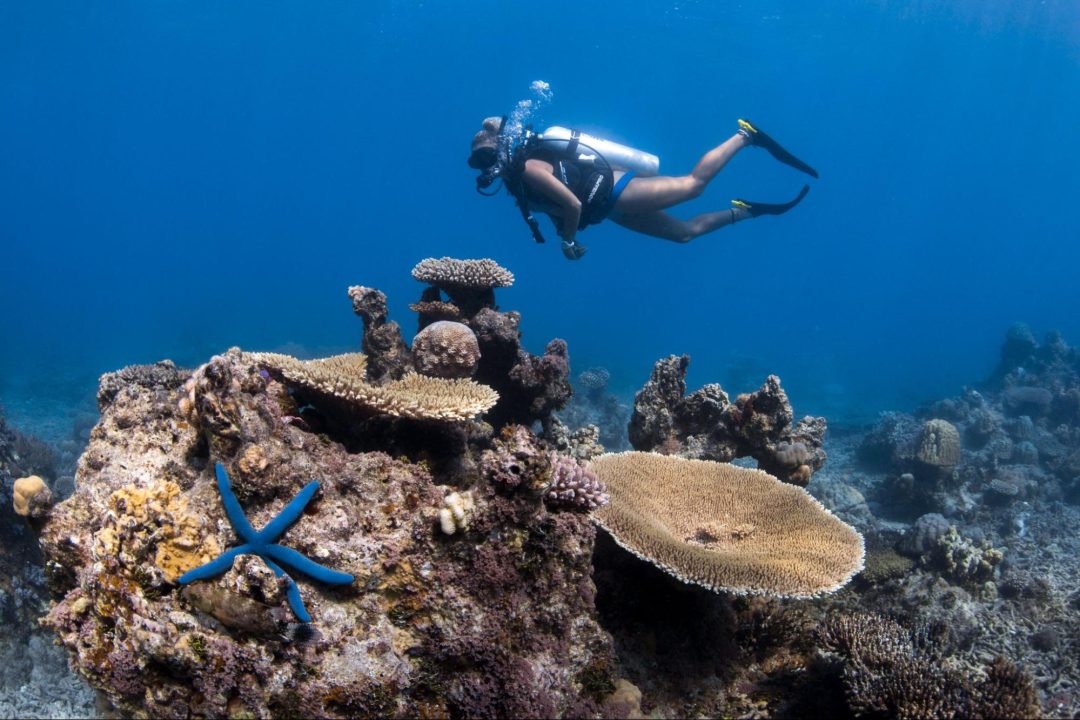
(262, 543)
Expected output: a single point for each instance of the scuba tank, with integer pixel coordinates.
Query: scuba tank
(618, 156)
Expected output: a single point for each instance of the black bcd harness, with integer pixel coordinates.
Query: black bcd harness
(579, 167)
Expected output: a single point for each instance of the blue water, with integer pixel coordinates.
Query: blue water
(180, 177)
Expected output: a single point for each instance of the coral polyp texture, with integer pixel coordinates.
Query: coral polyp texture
(31, 496)
(574, 486)
(413, 396)
(446, 349)
(724, 527)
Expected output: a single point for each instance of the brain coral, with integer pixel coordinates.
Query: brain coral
(724, 527)
(450, 273)
(413, 396)
(446, 349)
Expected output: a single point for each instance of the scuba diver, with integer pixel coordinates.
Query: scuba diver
(579, 180)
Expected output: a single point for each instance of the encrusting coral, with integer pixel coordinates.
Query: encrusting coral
(724, 527)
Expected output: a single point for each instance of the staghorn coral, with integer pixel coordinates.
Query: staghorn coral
(413, 396)
(724, 527)
(573, 486)
(446, 349)
(939, 444)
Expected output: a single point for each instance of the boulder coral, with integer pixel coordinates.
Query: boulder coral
(446, 349)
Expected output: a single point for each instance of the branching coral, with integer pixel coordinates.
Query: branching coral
(887, 674)
(574, 486)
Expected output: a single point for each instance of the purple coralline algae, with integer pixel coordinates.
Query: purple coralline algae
(494, 620)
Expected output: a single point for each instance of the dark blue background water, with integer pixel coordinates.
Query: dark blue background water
(180, 177)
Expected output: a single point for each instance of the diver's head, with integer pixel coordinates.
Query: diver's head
(485, 144)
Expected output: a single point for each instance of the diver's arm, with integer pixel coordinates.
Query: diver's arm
(541, 177)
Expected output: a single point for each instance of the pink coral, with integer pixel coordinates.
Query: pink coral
(574, 486)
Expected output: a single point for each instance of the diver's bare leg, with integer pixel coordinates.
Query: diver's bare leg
(661, 225)
(648, 194)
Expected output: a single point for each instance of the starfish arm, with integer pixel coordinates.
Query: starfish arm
(292, 591)
(232, 507)
(295, 561)
(289, 514)
(215, 567)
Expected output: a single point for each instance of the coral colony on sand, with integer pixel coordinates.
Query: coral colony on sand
(460, 515)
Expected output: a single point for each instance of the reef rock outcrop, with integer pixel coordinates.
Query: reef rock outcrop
(706, 425)
(496, 619)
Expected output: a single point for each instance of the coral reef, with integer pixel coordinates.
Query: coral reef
(887, 673)
(706, 425)
(482, 588)
(446, 349)
(724, 527)
(494, 620)
(469, 284)
(382, 342)
(594, 405)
